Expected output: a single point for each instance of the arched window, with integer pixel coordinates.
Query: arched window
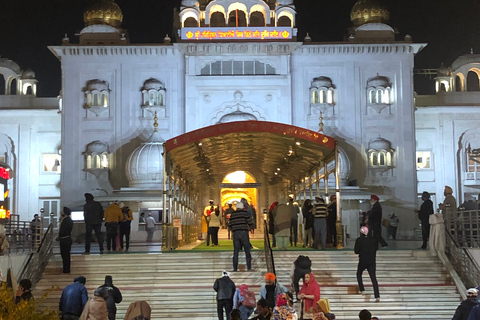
(330, 96)
(373, 159)
(284, 22)
(381, 159)
(458, 84)
(380, 96)
(442, 87)
(237, 16)
(13, 87)
(190, 23)
(257, 19)
(2, 85)
(315, 98)
(372, 97)
(89, 161)
(472, 81)
(104, 161)
(323, 96)
(96, 161)
(217, 19)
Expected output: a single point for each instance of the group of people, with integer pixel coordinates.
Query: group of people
(317, 220)
(74, 303)
(274, 300)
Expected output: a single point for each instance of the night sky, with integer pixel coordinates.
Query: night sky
(27, 27)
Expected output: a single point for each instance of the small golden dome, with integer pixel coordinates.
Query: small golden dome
(369, 11)
(103, 12)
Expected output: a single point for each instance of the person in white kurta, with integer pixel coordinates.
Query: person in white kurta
(437, 233)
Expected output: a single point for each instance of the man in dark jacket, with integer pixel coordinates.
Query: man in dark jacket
(114, 296)
(366, 248)
(426, 209)
(463, 310)
(93, 215)
(225, 289)
(64, 236)
(301, 267)
(73, 300)
(375, 220)
(24, 291)
(240, 223)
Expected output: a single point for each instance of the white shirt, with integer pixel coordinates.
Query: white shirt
(150, 222)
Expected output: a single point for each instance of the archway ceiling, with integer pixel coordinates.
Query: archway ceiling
(258, 147)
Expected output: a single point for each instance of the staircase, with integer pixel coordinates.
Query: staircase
(178, 285)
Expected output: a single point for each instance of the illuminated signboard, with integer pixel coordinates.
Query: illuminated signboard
(4, 173)
(249, 33)
(4, 213)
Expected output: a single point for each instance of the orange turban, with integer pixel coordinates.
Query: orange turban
(270, 276)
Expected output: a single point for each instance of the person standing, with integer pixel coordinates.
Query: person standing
(214, 226)
(113, 215)
(301, 266)
(254, 218)
(332, 220)
(366, 248)
(225, 289)
(240, 223)
(206, 213)
(36, 228)
(426, 209)
(73, 300)
(375, 220)
(114, 296)
(150, 227)
(310, 293)
(271, 223)
(65, 238)
(228, 213)
(294, 211)
(282, 217)
(464, 309)
(93, 216)
(320, 223)
(308, 220)
(437, 233)
(449, 208)
(125, 227)
(393, 226)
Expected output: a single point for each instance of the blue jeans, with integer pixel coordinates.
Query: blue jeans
(240, 239)
(88, 235)
(320, 227)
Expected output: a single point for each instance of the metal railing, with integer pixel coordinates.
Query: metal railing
(23, 236)
(464, 228)
(268, 250)
(463, 262)
(38, 260)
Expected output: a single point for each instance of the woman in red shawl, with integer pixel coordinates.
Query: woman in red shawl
(310, 292)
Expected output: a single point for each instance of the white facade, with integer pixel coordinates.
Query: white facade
(447, 130)
(29, 143)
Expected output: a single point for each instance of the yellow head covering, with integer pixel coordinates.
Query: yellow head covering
(324, 305)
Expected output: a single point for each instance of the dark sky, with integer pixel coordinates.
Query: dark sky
(27, 27)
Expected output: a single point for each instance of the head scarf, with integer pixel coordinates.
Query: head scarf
(364, 230)
(243, 288)
(282, 299)
(274, 204)
(374, 197)
(311, 288)
(448, 190)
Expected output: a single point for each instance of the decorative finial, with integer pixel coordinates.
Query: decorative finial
(167, 39)
(320, 125)
(155, 124)
(408, 37)
(307, 38)
(65, 39)
(471, 50)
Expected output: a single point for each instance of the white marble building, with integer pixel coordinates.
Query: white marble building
(362, 87)
(30, 143)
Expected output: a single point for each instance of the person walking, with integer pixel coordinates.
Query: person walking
(125, 227)
(294, 211)
(240, 223)
(271, 289)
(375, 220)
(282, 217)
(225, 289)
(464, 309)
(214, 221)
(73, 299)
(332, 220)
(113, 216)
(65, 238)
(320, 223)
(228, 213)
(366, 248)
(96, 307)
(150, 227)
(308, 220)
(114, 296)
(301, 266)
(93, 216)
(426, 209)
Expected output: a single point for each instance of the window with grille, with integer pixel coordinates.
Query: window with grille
(225, 68)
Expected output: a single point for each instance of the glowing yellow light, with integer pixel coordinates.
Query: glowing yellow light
(6, 194)
(237, 177)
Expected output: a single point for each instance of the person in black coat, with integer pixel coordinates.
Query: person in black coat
(332, 220)
(375, 221)
(114, 296)
(463, 310)
(366, 248)
(426, 209)
(225, 289)
(93, 215)
(64, 236)
(308, 220)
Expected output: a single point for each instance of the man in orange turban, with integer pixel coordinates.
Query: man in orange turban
(271, 289)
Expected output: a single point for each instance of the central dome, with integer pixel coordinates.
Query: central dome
(103, 12)
(369, 11)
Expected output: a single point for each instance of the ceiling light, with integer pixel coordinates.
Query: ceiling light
(276, 173)
(200, 144)
(298, 143)
(278, 169)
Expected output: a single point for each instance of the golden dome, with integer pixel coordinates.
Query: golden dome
(369, 11)
(103, 12)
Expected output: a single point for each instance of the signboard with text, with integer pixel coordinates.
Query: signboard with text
(236, 33)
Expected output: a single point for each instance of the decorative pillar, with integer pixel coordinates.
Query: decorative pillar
(339, 202)
(325, 179)
(164, 199)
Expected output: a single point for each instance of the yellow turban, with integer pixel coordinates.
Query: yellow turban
(324, 305)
